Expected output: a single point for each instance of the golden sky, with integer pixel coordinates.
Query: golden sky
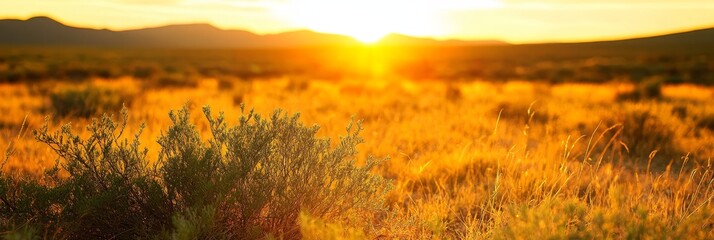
(516, 21)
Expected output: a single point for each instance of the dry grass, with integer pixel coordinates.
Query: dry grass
(472, 159)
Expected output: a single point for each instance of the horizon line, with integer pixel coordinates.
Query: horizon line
(446, 39)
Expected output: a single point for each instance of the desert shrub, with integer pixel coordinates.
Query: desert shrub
(262, 172)
(110, 190)
(249, 180)
(706, 122)
(297, 84)
(145, 71)
(175, 79)
(680, 111)
(644, 131)
(521, 112)
(169, 76)
(86, 101)
(227, 83)
(76, 73)
(453, 93)
(10, 76)
(650, 88)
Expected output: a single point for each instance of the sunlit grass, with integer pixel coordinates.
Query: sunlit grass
(470, 159)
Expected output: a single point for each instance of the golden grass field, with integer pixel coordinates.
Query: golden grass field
(468, 159)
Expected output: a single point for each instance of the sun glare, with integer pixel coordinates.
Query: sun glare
(367, 20)
(370, 20)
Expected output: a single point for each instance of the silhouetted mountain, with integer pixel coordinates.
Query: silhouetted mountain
(698, 41)
(46, 31)
(404, 40)
(686, 43)
(696, 38)
(189, 35)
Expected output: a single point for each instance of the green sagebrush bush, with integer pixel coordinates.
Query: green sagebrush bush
(103, 189)
(248, 180)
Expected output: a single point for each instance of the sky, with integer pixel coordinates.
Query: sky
(515, 21)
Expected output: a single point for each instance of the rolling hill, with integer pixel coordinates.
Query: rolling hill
(44, 31)
(49, 32)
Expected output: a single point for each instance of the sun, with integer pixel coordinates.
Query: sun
(365, 20)
(367, 35)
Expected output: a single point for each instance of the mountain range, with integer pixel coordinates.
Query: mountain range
(45, 31)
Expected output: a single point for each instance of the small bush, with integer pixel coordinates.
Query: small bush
(145, 71)
(176, 79)
(706, 122)
(643, 132)
(86, 101)
(110, 190)
(453, 93)
(297, 85)
(262, 172)
(647, 89)
(227, 83)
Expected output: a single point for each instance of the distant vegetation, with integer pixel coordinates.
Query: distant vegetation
(552, 64)
(86, 101)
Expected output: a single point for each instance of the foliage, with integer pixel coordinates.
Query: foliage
(644, 132)
(262, 172)
(110, 190)
(247, 181)
(180, 67)
(647, 89)
(706, 122)
(175, 80)
(86, 101)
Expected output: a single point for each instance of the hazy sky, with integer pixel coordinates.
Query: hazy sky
(516, 21)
